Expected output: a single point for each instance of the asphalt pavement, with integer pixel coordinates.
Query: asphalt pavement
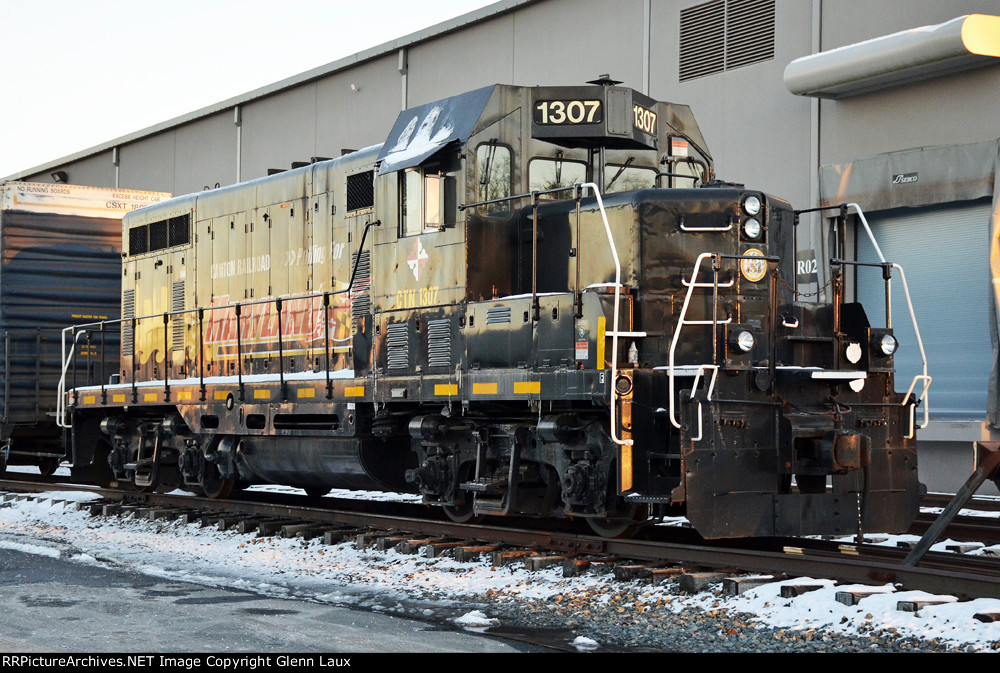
(55, 605)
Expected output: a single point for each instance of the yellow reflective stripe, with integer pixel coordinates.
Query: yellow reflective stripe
(484, 388)
(527, 387)
(602, 323)
(446, 389)
(354, 391)
(221, 394)
(117, 398)
(262, 394)
(184, 395)
(89, 399)
(150, 397)
(306, 392)
(626, 462)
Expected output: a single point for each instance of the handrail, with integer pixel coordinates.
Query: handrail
(677, 332)
(61, 387)
(913, 319)
(617, 310)
(708, 394)
(681, 321)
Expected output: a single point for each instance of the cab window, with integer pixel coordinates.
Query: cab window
(493, 177)
(624, 178)
(552, 173)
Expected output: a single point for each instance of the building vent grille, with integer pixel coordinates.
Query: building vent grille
(439, 343)
(397, 343)
(725, 34)
(360, 191)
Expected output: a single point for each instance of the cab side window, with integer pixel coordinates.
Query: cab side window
(424, 201)
(493, 177)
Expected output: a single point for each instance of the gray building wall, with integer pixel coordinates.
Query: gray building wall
(956, 109)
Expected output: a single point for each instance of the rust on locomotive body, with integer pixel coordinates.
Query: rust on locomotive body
(526, 301)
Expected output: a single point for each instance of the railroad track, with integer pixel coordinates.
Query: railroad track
(657, 550)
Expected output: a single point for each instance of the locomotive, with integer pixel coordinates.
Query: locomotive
(528, 301)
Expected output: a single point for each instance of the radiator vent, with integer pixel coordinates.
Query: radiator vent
(360, 190)
(177, 320)
(439, 343)
(128, 312)
(497, 315)
(397, 344)
(725, 34)
(361, 301)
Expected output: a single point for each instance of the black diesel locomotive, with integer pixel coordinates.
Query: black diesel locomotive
(529, 302)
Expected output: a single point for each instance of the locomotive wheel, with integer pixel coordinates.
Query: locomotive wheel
(316, 492)
(217, 488)
(462, 513)
(623, 521)
(48, 466)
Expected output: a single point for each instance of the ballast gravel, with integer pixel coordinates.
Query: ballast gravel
(592, 612)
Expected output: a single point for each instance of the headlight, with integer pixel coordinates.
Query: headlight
(751, 205)
(751, 228)
(745, 341)
(888, 344)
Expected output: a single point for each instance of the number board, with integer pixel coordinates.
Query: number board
(568, 112)
(612, 117)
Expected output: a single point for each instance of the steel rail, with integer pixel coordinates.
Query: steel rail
(938, 573)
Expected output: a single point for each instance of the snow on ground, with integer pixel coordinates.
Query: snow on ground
(341, 574)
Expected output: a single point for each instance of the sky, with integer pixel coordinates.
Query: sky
(311, 571)
(78, 74)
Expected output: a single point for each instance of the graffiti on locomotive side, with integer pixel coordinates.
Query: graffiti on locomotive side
(301, 320)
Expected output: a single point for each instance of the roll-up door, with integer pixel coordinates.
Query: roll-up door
(945, 254)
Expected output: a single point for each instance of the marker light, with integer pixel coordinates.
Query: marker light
(745, 341)
(888, 344)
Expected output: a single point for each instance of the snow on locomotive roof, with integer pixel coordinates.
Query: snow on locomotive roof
(420, 132)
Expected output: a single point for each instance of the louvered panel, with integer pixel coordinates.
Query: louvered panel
(361, 302)
(725, 34)
(749, 32)
(702, 40)
(397, 343)
(497, 315)
(128, 312)
(439, 343)
(177, 321)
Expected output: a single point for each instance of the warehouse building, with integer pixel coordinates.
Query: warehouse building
(818, 101)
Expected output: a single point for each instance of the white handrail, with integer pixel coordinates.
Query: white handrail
(913, 318)
(61, 388)
(677, 332)
(708, 396)
(615, 332)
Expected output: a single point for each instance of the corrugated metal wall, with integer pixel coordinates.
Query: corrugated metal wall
(943, 251)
